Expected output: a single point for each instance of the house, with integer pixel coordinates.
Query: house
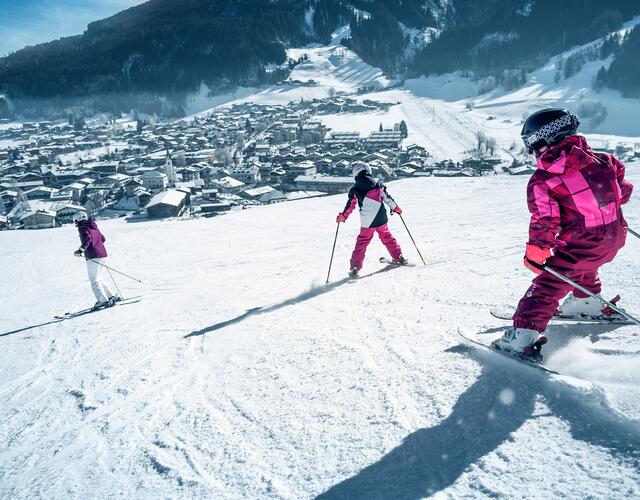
(76, 189)
(40, 219)
(152, 180)
(212, 208)
(228, 185)
(134, 196)
(304, 168)
(265, 195)
(170, 203)
(391, 139)
(330, 185)
(210, 194)
(40, 193)
(343, 139)
(248, 175)
(65, 214)
(4, 222)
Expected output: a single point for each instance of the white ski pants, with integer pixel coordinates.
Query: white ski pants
(98, 279)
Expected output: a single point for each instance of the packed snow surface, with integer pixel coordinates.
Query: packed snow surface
(240, 375)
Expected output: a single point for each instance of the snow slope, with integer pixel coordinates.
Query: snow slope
(240, 375)
(444, 113)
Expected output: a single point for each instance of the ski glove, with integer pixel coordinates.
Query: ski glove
(78, 252)
(397, 210)
(340, 218)
(537, 255)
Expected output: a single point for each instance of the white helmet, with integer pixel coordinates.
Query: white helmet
(80, 216)
(360, 166)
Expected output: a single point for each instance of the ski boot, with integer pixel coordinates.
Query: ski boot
(581, 307)
(521, 343)
(100, 305)
(353, 273)
(401, 261)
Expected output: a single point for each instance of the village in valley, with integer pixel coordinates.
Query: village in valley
(230, 158)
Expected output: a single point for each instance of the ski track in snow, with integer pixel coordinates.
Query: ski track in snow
(239, 375)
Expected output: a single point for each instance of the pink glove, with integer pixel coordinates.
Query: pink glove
(536, 254)
(340, 218)
(397, 210)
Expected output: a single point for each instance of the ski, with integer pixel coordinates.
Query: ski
(389, 262)
(477, 341)
(507, 312)
(89, 310)
(71, 315)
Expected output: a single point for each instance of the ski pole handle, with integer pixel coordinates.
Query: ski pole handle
(550, 270)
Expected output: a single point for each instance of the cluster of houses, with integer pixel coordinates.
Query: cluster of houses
(233, 158)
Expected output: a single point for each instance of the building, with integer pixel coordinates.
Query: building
(344, 139)
(170, 171)
(391, 139)
(152, 180)
(228, 185)
(40, 219)
(265, 195)
(330, 185)
(248, 175)
(170, 203)
(304, 168)
(65, 214)
(214, 208)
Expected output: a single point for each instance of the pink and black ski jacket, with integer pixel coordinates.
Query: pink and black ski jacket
(370, 195)
(573, 193)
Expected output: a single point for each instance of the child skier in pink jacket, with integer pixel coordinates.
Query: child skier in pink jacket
(575, 200)
(370, 195)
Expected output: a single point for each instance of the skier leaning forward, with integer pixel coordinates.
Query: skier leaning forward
(92, 247)
(370, 195)
(575, 198)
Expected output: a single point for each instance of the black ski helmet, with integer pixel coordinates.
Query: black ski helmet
(548, 127)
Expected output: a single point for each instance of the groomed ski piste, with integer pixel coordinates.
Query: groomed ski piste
(241, 375)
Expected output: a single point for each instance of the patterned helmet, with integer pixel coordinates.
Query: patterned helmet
(79, 216)
(548, 127)
(360, 166)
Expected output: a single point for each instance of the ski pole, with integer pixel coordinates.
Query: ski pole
(114, 282)
(604, 302)
(116, 271)
(414, 241)
(332, 252)
(637, 235)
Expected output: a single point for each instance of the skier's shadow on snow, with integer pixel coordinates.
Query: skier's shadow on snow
(314, 292)
(486, 415)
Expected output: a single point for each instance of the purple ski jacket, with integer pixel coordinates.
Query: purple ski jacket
(91, 239)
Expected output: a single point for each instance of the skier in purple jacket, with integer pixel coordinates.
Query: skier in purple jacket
(92, 247)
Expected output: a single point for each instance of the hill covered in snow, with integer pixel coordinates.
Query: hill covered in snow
(240, 374)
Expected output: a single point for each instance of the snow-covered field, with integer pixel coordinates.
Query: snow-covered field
(240, 375)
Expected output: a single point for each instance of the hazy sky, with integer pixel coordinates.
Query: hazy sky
(27, 22)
